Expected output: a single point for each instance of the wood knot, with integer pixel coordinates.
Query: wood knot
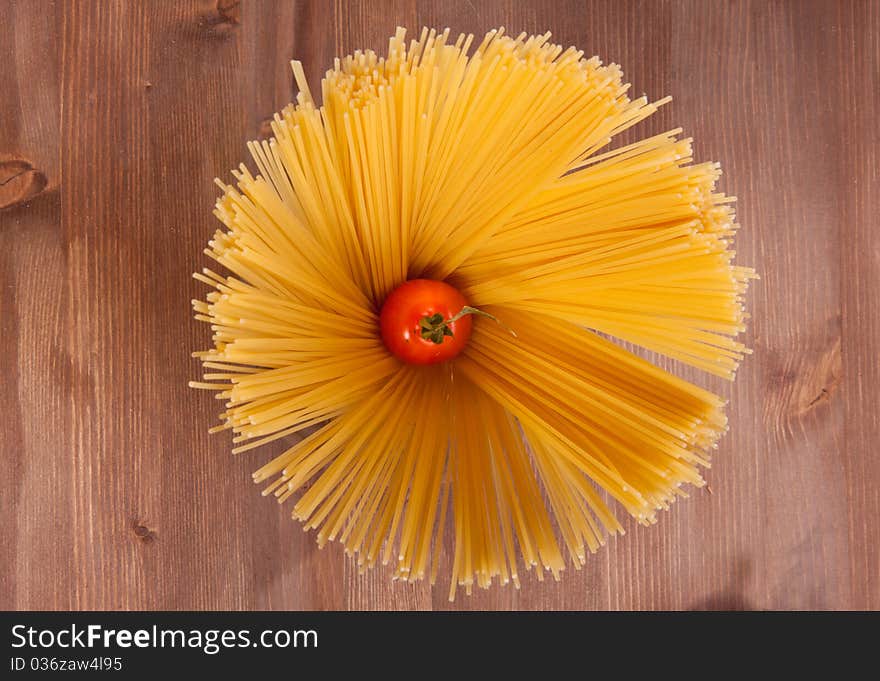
(801, 383)
(222, 22)
(265, 131)
(820, 380)
(19, 182)
(144, 534)
(229, 11)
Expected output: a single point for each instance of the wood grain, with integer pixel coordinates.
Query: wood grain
(116, 116)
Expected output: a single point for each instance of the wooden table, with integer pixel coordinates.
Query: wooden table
(116, 116)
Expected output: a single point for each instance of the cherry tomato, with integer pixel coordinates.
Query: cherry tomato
(424, 321)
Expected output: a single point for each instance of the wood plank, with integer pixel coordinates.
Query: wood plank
(36, 373)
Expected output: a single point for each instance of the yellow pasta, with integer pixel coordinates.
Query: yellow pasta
(488, 166)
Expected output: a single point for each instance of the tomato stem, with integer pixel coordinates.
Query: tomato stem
(434, 328)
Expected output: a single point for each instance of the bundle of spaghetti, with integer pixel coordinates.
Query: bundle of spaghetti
(485, 167)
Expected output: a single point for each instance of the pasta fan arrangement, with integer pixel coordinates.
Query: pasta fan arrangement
(424, 275)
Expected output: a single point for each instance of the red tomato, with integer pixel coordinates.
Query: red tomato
(417, 322)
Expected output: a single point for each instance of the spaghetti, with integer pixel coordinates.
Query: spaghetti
(480, 167)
